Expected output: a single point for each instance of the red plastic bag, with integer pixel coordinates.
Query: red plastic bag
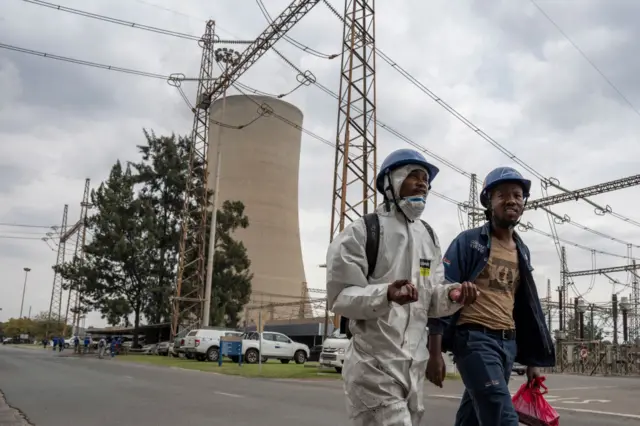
(532, 408)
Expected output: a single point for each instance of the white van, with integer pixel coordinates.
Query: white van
(204, 344)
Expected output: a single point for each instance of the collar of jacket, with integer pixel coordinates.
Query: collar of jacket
(485, 235)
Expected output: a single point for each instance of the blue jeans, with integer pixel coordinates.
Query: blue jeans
(484, 361)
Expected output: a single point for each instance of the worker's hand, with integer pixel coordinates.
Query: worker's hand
(532, 373)
(436, 370)
(402, 292)
(466, 294)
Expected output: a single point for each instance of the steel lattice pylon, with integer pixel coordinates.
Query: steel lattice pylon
(80, 233)
(475, 215)
(55, 305)
(354, 191)
(187, 304)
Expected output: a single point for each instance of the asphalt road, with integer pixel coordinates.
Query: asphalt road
(60, 391)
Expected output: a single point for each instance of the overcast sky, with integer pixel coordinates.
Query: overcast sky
(501, 64)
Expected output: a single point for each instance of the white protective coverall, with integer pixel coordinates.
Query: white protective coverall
(385, 363)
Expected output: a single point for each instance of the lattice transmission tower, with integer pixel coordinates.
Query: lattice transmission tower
(354, 192)
(80, 232)
(187, 304)
(475, 214)
(188, 301)
(55, 305)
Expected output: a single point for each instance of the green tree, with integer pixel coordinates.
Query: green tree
(14, 327)
(231, 287)
(130, 262)
(162, 172)
(116, 272)
(54, 326)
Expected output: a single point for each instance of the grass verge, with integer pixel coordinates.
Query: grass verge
(271, 369)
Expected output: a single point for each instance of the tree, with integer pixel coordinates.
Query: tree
(162, 172)
(231, 287)
(17, 326)
(116, 273)
(129, 265)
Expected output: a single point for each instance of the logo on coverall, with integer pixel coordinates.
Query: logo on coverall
(425, 267)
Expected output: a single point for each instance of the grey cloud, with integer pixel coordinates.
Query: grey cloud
(496, 63)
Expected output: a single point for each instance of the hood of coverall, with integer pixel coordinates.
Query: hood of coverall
(412, 206)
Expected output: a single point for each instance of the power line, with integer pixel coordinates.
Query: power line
(529, 227)
(130, 24)
(292, 41)
(11, 237)
(316, 53)
(24, 225)
(586, 58)
(81, 62)
(513, 157)
(313, 135)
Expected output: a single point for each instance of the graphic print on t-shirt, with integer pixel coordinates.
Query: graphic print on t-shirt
(500, 274)
(497, 283)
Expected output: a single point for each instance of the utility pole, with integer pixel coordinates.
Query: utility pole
(564, 279)
(229, 58)
(592, 326)
(549, 303)
(24, 288)
(614, 314)
(561, 309)
(187, 304)
(635, 301)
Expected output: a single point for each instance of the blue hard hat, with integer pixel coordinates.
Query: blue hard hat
(400, 158)
(502, 175)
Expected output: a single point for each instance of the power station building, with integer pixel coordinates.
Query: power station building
(260, 166)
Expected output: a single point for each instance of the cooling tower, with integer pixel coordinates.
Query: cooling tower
(260, 165)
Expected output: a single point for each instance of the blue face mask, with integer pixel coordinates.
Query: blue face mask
(413, 206)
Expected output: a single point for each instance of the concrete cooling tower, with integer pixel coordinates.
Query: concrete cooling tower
(260, 165)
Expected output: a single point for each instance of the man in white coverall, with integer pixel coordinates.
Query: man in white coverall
(388, 307)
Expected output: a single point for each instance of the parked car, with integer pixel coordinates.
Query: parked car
(204, 344)
(333, 350)
(273, 345)
(519, 369)
(163, 348)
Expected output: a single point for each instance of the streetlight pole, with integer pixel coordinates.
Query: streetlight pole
(228, 57)
(24, 288)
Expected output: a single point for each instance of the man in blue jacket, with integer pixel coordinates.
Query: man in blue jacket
(506, 323)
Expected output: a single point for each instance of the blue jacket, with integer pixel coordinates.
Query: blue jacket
(466, 257)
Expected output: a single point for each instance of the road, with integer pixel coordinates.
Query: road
(58, 391)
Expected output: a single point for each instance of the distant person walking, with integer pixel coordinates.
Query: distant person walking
(113, 347)
(101, 347)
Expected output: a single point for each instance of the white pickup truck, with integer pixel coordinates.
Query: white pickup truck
(333, 350)
(274, 345)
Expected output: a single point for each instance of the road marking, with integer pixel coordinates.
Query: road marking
(232, 395)
(575, 410)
